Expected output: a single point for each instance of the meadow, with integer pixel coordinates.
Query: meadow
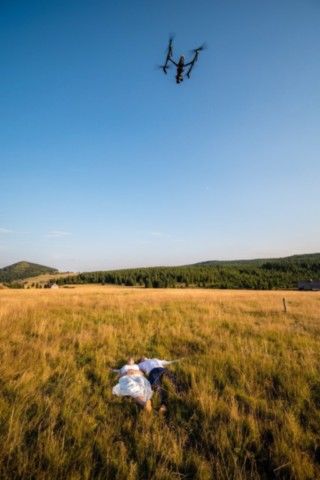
(249, 407)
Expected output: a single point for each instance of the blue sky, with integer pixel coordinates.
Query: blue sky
(107, 163)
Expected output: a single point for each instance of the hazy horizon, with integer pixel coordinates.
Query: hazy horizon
(106, 163)
(163, 265)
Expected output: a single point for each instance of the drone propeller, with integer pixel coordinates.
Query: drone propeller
(164, 68)
(199, 49)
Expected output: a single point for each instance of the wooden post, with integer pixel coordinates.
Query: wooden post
(284, 305)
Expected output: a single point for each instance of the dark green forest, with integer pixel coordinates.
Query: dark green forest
(257, 274)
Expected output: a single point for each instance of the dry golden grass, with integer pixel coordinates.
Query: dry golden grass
(44, 278)
(251, 401)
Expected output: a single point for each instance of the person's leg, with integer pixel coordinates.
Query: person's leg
(148, 406)
(155, 378)
(163, 393)
(174, 380)
(144, 404)
(163, 396)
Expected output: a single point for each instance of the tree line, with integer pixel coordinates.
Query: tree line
(269, 275)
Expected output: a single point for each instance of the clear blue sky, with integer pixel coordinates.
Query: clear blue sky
(107, 163)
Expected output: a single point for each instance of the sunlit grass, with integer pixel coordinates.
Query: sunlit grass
(250, 406)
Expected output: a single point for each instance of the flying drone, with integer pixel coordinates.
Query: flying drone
(181, 65)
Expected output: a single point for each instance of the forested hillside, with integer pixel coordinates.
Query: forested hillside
(251, 274)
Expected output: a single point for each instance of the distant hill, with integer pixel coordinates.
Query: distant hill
(22, 270)
(306, 258)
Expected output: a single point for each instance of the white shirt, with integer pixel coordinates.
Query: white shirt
(150, 363)
(125, 368)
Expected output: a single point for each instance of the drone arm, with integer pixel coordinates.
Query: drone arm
(170, 60)
(190, 69)
(193, 61)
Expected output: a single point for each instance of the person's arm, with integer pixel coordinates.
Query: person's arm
(117, 371)
(141, 366)
(168, 362)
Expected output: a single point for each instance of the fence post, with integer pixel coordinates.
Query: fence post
(284, 305)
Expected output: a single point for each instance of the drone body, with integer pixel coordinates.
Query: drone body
(181, 65)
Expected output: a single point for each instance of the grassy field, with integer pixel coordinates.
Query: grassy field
(249, 409)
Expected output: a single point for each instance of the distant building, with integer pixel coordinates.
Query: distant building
(309, 285)
(54, 285)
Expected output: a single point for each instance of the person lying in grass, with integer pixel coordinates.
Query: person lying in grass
(132, 383)
(156, 370)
